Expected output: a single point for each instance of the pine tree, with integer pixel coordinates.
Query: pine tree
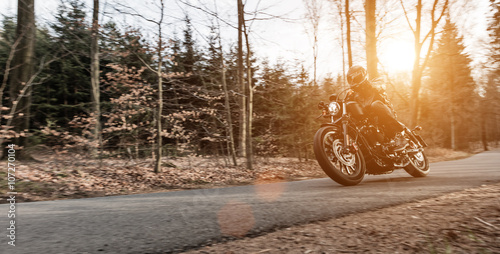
(494, 29)
(452, 90)
(67, 92)
(126, 48)
(491, 100)
(7, 40)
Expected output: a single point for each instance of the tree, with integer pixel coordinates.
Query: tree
(452, 89)
(241, 82)
(371, 39)
(313, 16)
(157, 69)
(68, 90)
(348, 33)
(229, 120)
(130, 119)
(272, 106)
(159, 72)
(494, 29)
(340, 9)
(8, 46)
(491, 100)
(94, 74)
(23, 62)
(217, 72)
(249, 107)
(418, 65)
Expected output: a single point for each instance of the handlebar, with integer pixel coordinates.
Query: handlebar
(341, 92)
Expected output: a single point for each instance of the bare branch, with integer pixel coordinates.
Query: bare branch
(133, 13)
(7, 65)
(213, 14)
(22, 93)
(406, 16)
(433, 33)
(436, 22)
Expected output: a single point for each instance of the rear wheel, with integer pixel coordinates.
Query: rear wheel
(346, 168)
(419, 164)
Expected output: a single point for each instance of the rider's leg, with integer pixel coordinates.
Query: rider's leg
(386, 118)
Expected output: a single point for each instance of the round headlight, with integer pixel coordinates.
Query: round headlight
(333, 108)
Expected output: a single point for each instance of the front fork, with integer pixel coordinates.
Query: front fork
(345, 121)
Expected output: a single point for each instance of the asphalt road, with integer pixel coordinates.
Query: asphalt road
(172, 221)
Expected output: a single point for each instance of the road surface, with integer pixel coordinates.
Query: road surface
(172, 221)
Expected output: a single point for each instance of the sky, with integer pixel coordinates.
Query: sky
(285, 38)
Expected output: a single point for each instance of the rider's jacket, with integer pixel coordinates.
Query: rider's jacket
(368, 92)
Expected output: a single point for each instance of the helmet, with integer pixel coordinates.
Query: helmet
(356, 75)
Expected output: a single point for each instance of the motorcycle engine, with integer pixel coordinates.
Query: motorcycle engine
(373, 135)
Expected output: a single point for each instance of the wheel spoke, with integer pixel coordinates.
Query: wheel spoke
(330, 138)
(350, 170)
(338, 164)
(344, 169)
(418, 161)
(333, 149)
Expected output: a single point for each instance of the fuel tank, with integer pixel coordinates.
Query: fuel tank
(354, 109)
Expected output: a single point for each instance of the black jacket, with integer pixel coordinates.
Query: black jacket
(367, 92)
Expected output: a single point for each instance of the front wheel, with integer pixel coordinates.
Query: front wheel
(346, 168)
(419, 164)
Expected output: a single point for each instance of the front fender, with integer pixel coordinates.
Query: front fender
(416, 137)
(332, 125)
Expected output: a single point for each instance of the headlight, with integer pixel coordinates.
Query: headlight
(333, 108)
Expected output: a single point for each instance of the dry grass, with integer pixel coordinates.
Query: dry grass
(442, 154)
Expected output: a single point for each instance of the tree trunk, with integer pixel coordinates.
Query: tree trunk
(415, 90)
(484, 117)
(371, 39)
(416, 77)
(496, 128)
(342, 45)
(232, 149)
(94, 78)
(453, 129)
(241, 82)
(23, 63)
(249, 145)
(451, 102)
(419, 67)
(160, 95)
(314, 16)
(348, 35)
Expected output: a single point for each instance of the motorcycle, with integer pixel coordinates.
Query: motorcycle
(352, 143)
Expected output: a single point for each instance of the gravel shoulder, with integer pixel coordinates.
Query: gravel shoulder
(460, 222)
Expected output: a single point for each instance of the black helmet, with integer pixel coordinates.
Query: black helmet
(356, 75)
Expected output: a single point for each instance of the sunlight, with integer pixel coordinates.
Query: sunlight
(397, 56)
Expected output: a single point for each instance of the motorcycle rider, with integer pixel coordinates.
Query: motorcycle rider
(374, 101)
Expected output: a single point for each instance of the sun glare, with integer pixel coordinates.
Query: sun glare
(397, 56)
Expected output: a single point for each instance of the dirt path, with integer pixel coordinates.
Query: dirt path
(461, 222)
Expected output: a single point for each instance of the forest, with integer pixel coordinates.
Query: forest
(94, 86)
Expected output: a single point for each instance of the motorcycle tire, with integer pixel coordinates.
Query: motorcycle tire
(345, 169)
(419, 165)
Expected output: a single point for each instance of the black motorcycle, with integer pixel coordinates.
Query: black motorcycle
(352, 144)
